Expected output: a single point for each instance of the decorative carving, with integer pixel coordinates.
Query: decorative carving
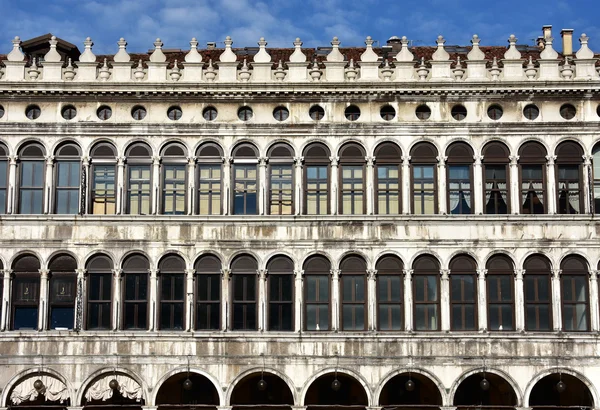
(262, 56)
(101, 389)
(122, 56)
(193, 56)
(53, 390)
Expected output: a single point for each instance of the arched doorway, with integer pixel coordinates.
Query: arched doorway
(412, 390)
(485, 390)
(336, 391)
(262, 389)
(189, 391)
(37, 391)
(560, 391)
(115, 390)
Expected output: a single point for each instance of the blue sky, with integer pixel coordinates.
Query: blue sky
(280, 22)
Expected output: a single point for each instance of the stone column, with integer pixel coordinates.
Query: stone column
(189, 300)
(120, 184)
(225, 280)
(11, 207)
(335, 299)
(224, 407)
(43, 307)
(298, 299)
(153, 315)
(262, 299)
(556, 300)
(83, 190)
(515, 194)
(482, 299)
(298, 182)
(155, 185)
(441, 177)
(49, 177)
(116, 301)
(406, 184)
(550, 184)
(79, 299)
(408, 300)
(447, 408)
(226, 185)
(445, 299)
(372, 299)
(588, 188)
(263, 186)
(370, 178)
(296, 407)
(148, 407)
(5, 308)
(519, 300)
(334, 184)
(478, 185)
(594, 314)
(78, 407)
(191, 198)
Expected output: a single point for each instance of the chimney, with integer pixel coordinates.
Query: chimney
(211, 45)
(567, 41)
(540, 42)
(547, 31)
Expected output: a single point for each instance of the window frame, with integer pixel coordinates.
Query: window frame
(427, 272)
(386, 273)
(277, 273)
(454, 273)
(280, 161)
(137, 272)
(422, 161)
(328, 302)
(572, 273)
(138, 161)
(354, 162)
(90, 270)
(167, 161)
(162, 273)
(101, 161)
(66, 159)
(14, 304)
(316, 161)
(493, 272)
(359, 275)
(548, 277)
(458, 160)
(60, 274)
(20, 187)
(199, 271)
(208, 161)
(4, 158)
(491, 159)
(533, 161)
(244, 272)
(569, 161)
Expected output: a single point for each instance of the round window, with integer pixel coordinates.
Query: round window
(568, 111)
(423, 112)
(531, 111)
(209, 113)
(598, 110)
(245, 113)
(138, 112)
(495, 112)
(387, 112)
(281, 113)
(174, 113)
(352, 113)
(459, 112)
(1, 111)
(69, 112)
(317, 112)
(33, 112)
(104, 112)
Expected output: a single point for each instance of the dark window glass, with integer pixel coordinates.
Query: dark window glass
(67, 187)
(63, 289)
(245, 113)
(424, 188)
(531, 112)
(208, 293)
(317, 293)
(209, 113)
(103, 190)
(388, 189)
(31, 187)
(281, 113)
(172, 300)
(244, 302)
(209, 189)
(459, 189)
(500, 294)
(352, 113)
(459, 112)
(138, 112)
(569, 189)
(352, 190)
(281, 295)
(316, 112)
(533, 192)
(538, 302)
(596, 178)
(426, 295)
(245, 190)
(353, 302)
(135, 293)
(174, 189)
(387, 112)
(574, 284)
(568, 111)
(423, 112)
(281, 192)
(33, 112)
(69, 112)
(1, 111)
(463, 302)
(495, 112)
(390, 301)
(3, 184)
(174, 113)
(496, 189)
(99, 300)
(317, 190)
(25, 301)
(104, 112)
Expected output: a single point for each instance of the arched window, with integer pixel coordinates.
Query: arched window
(575, 294)
(426, 294)
(569, 178)
(388, 182)
(316, 179)
(210, 186)
(538, 294)
(63, 290)
(463, 293)
(3, 177)
(245, 180)
(67, 180)
(244, 270)
(25, 293)
(317, 271)
(135, 293)
(174, 179)
(460, 178)
(496, 194)
(354, 293)
(352, 180)
(500, 293)
(139, 179)
(390, 293)
(99, 293)
(208, 293)
(31, 179)
(532, 160)
(103, 179)
(281, 294)
(596, 160)
(2, 287)
(423, 183)
(172, 293)
(281, 180)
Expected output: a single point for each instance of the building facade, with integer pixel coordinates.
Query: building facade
(296, 228)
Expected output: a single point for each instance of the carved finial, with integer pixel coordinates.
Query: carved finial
(193, 56)
(404, 54)
(69, 73)
(104, 72)
(280, 72)
(210, 73)
(245, 72)
(122, 56)
(335, 54)
(584, 52)
(52, 55)
(495, 70)
(512, 53)
(422, 71)
(158, 56)
(87, 56)
(228, 56)
(440, 54)
(369, 55)
(298, 56)
(139, 73)
(548, 53)
(262, 56)
(16, 54)
(476, 54)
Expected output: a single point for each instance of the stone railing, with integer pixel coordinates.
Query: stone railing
(335, 68)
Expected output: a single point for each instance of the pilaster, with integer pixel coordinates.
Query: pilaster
(4, 319)
(116, 301)
(153, 316)
(551, 184)
(445, 299)
(519, 300)
(43, 306)
(406, 185)
(556, 300)
(334, 184)
(594, 313)
(191, 198)
(120, 184)
(408, 300)
(515, 196)
(12, 185)
(441, 179)
(263, 191)
(79, 299)
(335, 299)
(226, 185)
(189, 301)
(587, 184)
(478, 185)
(262, 299)
(482, 299)
(225, 281)
(298, 299)
(49, 177)
(370, 189)
(298, 194)
(155, 184)
(371, 299)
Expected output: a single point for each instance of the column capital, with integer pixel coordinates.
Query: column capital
(263, 161)
(299, 274)
(153, 273)
(334, 161)
(370, 161)
(7, 273)
(594, 274)
(49, 159)
(335, 274)
(262, 274)
(13, 159)
(80, 272)
(514, 160)
(121, 160)
(189, 272)
(482, 273)
(556, 273)
(226, 273)
(519, 273)
(406, 158)
(441, 160)
(191, 160)
(298, 161)
(156, 160)
(117, 273)
(478, 159)
(587, 160)
(227, 160)
(408, 272)
(550, 159)
(44, 273)
(372, 274)
(445, 273)
(85, 161)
